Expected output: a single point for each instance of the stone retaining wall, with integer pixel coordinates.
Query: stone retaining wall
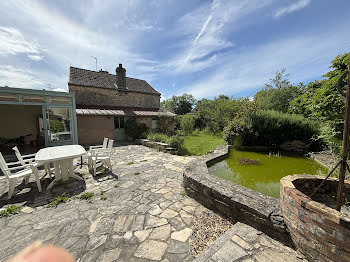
(232, 200)
(157, 145)
(319, 232)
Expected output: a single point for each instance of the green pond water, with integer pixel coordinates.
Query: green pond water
(264, 176)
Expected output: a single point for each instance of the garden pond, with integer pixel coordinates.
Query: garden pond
(262, 171)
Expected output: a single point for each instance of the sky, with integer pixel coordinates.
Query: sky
(204, 48)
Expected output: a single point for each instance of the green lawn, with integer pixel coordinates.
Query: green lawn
(200, 143)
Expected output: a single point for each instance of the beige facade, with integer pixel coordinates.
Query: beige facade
(92, 129)
(18, 120)
(113, 97)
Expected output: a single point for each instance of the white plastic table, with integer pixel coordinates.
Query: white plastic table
(62, 157)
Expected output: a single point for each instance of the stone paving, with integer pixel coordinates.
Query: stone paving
(246, 244)
(146, 215)
(139, 212)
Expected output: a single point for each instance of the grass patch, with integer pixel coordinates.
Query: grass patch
(58, 200)
(130, 162)
(201, 143)
(183, 194)
(136, 173)
(10, 210)
(103, 197)
(85, 175)
(86, 196)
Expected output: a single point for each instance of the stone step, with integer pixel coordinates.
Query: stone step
(141, 141)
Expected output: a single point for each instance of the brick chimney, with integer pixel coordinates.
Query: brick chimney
(121, 79)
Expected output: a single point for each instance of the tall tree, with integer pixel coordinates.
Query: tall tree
(179, 105)
(215, 114)
(278, 93)
(324, 101)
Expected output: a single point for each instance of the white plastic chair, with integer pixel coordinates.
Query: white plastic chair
(102, 154)
(96, 148)
(104, 145)
(31, 160)
(24, 171)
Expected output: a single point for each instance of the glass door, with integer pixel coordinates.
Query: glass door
(58, 126)
(119, 130)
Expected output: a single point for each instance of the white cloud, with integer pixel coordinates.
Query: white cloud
(207, 29)
(35, 57)
(13, 42)
(247, 71)
(20, 78)
(60, 90)
(300, 4)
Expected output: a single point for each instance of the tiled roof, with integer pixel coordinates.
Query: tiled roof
(83, 77)
(127, 112)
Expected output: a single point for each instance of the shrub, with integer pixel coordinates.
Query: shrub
(217, 113)
(157, 137)
(187, 124)
(135, 129)
(165, 123)
(175, 141)
(270, 128)
(178, 143)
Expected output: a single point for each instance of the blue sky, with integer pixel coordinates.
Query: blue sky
(205, 48)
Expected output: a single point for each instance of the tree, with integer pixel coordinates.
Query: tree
(217, 113)
(277, 94)
(56, 126)
(187, 124)
(179, 105)
(324, 101)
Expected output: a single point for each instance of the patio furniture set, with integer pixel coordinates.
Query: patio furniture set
(62, 158)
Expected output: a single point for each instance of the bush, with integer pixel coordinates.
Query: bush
(165, 123)
(187, 124)
(215, 114)
(135, 129)
(269, 128)
(175, 141)
(178, 143)
(157, 137)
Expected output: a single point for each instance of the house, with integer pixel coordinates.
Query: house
(106, 101)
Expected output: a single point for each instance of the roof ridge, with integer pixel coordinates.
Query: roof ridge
(81, 76)
(107, 73)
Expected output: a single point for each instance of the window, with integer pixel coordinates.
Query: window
(118, 122)
(155, 123)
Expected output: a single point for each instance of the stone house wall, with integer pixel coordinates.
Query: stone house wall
(112, 97)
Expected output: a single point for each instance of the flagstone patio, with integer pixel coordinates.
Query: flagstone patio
(139, 212)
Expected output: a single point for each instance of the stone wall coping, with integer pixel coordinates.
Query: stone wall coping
(162, 144)
(306, 202)
(197, 170)
(232, 200)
